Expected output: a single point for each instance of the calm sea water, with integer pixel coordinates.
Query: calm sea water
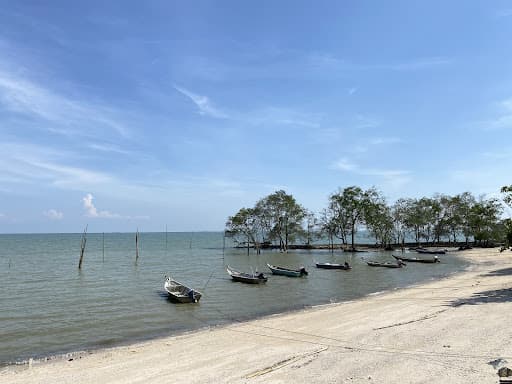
(48, 306)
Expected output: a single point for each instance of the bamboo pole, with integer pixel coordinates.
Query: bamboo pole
(137, 246)
(82, 247)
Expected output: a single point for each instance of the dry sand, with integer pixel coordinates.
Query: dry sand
(444, 331)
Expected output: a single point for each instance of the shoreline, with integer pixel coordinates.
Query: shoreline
(357, 330)
(79, 351)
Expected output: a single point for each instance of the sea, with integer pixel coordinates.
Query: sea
(48, 307)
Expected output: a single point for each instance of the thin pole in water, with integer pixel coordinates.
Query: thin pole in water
(82, 247)
(103, 248)
(223, 244)
(136, 245)
(166, 240)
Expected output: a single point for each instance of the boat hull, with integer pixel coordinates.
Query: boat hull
(246, 278)
(287, 272)
(332, 266)
(180, 293)
(384, 265)
(429, 252)
(413, 260)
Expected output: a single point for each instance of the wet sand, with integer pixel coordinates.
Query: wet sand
(444, 331)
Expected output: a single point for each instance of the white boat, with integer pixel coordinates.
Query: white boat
(180, 292)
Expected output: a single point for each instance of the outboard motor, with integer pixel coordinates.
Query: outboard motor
(303, 271)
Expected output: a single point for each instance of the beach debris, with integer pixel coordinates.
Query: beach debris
(505, 372)
(498, 363)
(285, 362)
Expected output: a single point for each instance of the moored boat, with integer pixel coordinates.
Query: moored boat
(248, 278)
(180, 292)
(333, 266)
(400, 264)
(417, 260)
(287, 272)
(431, 251)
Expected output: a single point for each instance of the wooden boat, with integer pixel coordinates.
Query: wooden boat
(287, 272)
(431, 251)
(416, 260)
(180, 292)
(249, 278)
(333, 266)
(400, 264)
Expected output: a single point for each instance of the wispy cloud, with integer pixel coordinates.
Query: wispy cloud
(352, 90)
(385, 140)
(400, 177)
(327, 61)
(363, 121)
(108, 148)
(503, 119)
(67, 114)
(29, 163)
(417, 64)
(280, 116)
(53, 214)
(203, 103)
(504, 12)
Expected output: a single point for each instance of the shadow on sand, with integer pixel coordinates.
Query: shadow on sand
(485, 297)
(500, 272)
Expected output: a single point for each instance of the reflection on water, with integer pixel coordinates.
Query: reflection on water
(49, 307)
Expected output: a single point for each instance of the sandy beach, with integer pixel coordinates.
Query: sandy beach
(445, 331)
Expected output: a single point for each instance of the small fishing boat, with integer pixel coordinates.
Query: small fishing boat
(333, 266)
(180, 292)
(416, 260)
(287, 272)
(431, 251)
(249, 278)
(400, 264)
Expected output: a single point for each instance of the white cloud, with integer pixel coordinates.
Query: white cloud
(362, 121)
(346, 165)
(385, 140)
(108, 148)
(92, 211)
(203, 103)
(281, 116)
(68, 114)
(53, 214)
(418, 64)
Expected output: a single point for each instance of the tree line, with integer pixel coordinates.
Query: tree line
(279, 220)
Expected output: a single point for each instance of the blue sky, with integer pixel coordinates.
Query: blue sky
(130, 114)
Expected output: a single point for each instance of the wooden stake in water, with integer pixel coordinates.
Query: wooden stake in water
(82, 247)
(223, 244)
(136, 245)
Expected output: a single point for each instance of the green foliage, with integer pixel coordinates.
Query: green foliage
(507, 191)
(279, 218)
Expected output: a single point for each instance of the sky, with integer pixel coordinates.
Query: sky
(175, 114)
